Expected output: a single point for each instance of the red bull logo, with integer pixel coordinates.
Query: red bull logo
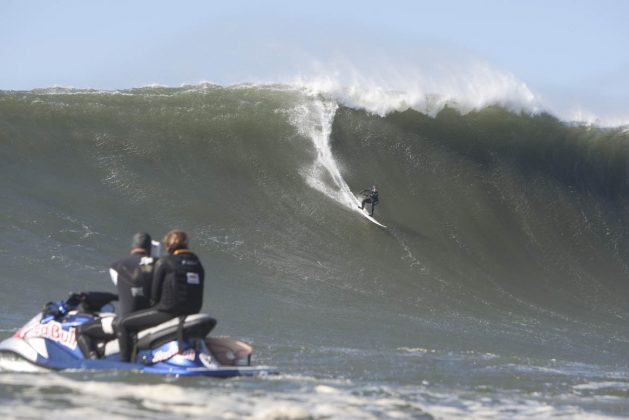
(173, 350)
(54, 331)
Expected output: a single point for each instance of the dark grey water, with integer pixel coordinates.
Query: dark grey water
(499, 288)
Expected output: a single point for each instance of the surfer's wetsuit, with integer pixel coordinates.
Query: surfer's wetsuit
(177, 290)
(371, 198)
(132, 276)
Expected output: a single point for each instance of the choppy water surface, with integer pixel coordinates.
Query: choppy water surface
(499, 288)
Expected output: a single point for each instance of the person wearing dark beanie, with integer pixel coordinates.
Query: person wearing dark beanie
(133, 277)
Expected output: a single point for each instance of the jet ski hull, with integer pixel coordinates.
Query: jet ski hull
(50, 342)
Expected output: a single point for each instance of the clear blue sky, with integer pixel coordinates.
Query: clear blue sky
(573, 49)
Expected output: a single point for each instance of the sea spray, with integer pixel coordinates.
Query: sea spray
(468, 85)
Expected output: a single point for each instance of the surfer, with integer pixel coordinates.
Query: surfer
(371, 197)
(176, 290)
(132, 276)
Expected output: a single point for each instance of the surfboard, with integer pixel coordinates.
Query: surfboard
(371, 219)
(366, 214)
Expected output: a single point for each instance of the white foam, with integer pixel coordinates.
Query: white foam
(426, 79)
(10, 363)
(595, 386)
(313, 120)
(467, 84)
(472, 85)
(290, 397)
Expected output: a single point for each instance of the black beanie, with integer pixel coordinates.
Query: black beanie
(141, 240)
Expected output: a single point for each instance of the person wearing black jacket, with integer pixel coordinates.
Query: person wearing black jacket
(176, 290)
(371, 197)
(133, 276)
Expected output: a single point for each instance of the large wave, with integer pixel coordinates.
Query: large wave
(506, 228)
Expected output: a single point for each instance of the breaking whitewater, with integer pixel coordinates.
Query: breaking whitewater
(498, 289)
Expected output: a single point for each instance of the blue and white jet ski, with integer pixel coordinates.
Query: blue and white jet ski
(179, 347)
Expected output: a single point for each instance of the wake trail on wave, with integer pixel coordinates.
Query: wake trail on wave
(314, 121)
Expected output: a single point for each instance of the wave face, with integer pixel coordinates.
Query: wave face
(507, 240)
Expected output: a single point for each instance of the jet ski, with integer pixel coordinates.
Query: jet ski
(179, 347)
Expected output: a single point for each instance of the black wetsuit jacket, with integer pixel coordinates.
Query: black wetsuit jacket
(370, 195)
(134, 279)
(178, 283)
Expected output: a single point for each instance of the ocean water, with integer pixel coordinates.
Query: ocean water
(499, 288)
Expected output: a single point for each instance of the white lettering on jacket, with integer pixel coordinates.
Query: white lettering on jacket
(193, 278)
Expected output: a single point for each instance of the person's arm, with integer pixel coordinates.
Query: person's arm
(114, 276)
(114, 268)
(158, 277)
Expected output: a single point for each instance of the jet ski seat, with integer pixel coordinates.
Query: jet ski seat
(194, 326)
